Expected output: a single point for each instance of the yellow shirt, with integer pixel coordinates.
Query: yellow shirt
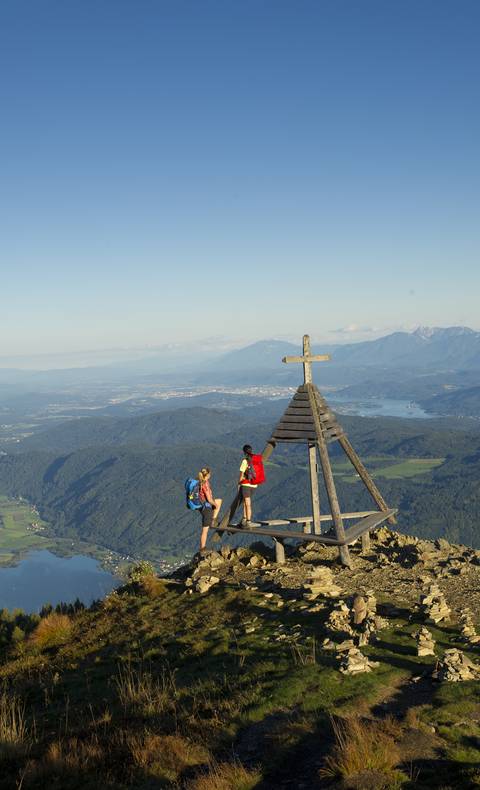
(243, 469)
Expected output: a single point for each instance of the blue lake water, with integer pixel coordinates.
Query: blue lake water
(380, 407)
(42, 577)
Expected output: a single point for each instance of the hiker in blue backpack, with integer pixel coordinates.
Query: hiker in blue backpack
(199, 497)
(210, 506)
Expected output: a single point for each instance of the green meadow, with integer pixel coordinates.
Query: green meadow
(389, 468)
(16, 534)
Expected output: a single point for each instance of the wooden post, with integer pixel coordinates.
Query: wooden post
(329, 481)
(268, 450)
(366, 541)
(365, 477)
(312, 460)
(312, 450)
(279, 551)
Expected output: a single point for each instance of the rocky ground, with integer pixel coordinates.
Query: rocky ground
(397, 567)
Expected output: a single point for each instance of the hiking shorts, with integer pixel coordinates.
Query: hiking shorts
(247, 492)
(207, 516)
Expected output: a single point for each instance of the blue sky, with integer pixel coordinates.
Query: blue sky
(181, 170)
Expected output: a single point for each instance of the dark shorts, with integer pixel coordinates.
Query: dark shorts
(207, 516)
(248, 492)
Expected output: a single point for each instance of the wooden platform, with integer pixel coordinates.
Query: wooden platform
(369, 520)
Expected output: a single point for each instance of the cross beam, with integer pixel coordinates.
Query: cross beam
(307, 359)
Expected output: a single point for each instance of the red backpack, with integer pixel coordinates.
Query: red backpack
(255, 473)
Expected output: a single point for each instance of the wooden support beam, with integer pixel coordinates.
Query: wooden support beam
(308, 359)
(365, 476)
(366, 545)
(314, 492)
(327, 517)
(279, 551)
(329, 482)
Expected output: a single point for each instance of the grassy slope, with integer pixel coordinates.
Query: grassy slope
(138, 673)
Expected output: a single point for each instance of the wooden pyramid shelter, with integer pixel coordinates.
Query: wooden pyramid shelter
(309, 420)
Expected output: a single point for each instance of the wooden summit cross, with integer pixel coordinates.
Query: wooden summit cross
(309, 420)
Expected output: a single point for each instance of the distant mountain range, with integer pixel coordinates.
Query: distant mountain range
(452, 347)
(420, 364)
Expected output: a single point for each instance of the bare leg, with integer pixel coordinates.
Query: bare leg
(203, 538)
(218, 505)
(244, 503)
(248, 507)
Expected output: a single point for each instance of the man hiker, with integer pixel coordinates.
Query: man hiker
(247, 486)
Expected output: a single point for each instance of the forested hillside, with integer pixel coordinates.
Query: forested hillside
(131, 498)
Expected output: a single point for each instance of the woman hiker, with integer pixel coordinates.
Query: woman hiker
(246, 487)
(210, 506)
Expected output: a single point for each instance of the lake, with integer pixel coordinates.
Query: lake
(42, 578)
(380, 407)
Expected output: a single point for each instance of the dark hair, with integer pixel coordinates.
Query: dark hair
(247, 449)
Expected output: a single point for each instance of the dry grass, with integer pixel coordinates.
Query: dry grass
(142, 694)
(364, 749)
(226, 776)
(69, 758)
(165, 756)
(52, 631)
(13, 727)
(152, 586)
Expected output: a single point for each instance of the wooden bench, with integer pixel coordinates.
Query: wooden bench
(368, 520)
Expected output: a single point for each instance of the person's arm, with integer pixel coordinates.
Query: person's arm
(209, 495)
(243, 469)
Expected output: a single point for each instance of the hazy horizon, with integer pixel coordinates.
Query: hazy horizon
(207, 346)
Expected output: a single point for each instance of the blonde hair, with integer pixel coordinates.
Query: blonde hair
(203, 474)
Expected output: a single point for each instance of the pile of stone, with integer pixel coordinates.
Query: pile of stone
(203, 583)
(425, 642)
(469, 632)
(455, 667)
(353, 661)
(320, 582)
(439, 556)
(364, 605)
(339, 620)
(434, 606)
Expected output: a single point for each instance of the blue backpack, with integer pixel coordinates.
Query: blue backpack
(192, 491)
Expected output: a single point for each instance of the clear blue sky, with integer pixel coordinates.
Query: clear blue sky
(248, 169)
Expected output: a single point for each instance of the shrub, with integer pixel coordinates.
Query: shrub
(365, 750)
(141, 570)
(152, 586)
(52, 630)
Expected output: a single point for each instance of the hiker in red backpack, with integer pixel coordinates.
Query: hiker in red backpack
(251, 476)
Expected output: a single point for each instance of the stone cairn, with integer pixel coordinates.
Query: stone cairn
(352, 660)
(360, 621)
(434, 606)
(365, 618)
(469, 633)
(425, 642)
(455, 667)
(339, 620)
(320, 582)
